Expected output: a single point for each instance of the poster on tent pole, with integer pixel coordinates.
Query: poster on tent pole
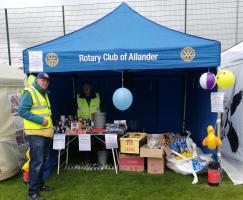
(217, 102)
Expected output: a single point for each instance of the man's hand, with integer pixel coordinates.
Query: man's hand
(45, 122)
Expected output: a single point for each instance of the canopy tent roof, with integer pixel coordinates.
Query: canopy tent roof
(232, 118)
(232, 56)
(10, 76)
(123, 39)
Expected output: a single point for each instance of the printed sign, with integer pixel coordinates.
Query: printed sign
(217, 102)
(84, 142)
(35, 61)
(111, 141)
(59, 141)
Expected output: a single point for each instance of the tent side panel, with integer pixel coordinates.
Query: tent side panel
(199, 114)
(157, 99)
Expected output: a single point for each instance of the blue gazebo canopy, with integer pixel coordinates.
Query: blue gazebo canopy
(121, 40)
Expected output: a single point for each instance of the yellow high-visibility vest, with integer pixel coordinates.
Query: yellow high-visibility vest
(85, 110)
(41, 106)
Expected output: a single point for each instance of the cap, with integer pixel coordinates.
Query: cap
(43, 76)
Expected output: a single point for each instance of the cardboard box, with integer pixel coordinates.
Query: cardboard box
(167, 150)
(155, 159)
(131, 163)
(145, 151)
(156, 139)
(156, 165)
(131, 143)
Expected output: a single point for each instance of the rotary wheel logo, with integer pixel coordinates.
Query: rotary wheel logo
(188, 54)
(52, 59)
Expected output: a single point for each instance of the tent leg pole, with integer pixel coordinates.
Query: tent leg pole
(219, 136)
(67, 152)
(114, 159)
(117, 158)
(58, 164)
(184, 108)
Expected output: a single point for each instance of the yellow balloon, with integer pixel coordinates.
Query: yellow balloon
(225, 79)
(30, 80)
(26, 166)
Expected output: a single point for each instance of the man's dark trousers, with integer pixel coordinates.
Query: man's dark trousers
(39, 151)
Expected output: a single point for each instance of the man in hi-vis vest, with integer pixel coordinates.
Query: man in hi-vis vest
(88, 102)
(35, 108)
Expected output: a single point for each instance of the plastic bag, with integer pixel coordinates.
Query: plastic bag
(195, 163)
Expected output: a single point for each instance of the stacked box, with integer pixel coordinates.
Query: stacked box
(156, 141)
(156, 165)
(155, 159)
(131, 163)
(131, 143)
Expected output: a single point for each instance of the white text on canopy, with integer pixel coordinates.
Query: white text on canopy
(113, 57)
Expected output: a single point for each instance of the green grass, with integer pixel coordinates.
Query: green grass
(107, 185)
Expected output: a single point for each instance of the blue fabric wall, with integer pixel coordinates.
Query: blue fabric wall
(199, 114)
(158, 99)
(61, 95)
(157, 105)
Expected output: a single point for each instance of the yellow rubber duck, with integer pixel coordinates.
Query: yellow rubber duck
(211, 141)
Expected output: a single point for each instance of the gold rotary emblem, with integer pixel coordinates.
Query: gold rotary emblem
(52, 59)
(188, 54)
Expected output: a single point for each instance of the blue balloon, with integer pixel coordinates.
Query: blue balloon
(122, 98)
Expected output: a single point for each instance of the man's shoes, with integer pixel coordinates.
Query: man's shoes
(46, 188)
(36, 196)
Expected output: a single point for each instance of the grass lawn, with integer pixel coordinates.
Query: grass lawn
(100, 185)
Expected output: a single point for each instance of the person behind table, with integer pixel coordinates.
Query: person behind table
(35, 109)
(88, 102)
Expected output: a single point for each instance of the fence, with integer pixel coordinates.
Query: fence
(21, 28)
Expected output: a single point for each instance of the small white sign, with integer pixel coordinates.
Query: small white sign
(111, 141)
(84, 142)
(59, 141)
(217, 102)
(35, 61)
